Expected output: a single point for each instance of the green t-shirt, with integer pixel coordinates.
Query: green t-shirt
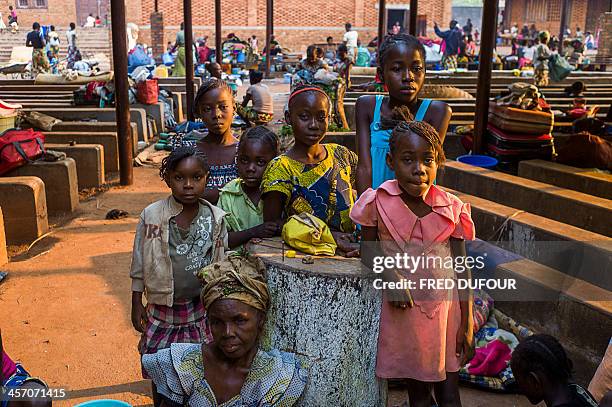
(190, 250)
(242, 213)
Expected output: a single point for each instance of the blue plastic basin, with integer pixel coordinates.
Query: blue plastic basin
(104, 403)
(483, 161)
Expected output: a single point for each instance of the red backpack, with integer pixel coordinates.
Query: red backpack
(19, 147)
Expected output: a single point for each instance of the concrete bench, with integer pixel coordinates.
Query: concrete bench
(587, 180)
(89, 159)
(571, 207)
(137, 116)
(107, 140)
(91, 127)
(24, 206)
(577, 313)
(60, 179)
(155, 111)
(569, 249)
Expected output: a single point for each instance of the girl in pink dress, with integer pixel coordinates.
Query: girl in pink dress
(424, 334)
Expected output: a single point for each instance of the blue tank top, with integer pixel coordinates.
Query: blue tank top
(379, 143)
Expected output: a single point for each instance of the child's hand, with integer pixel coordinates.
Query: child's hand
(347, 244)
(464, 344)
(139, 316)
(267, 229)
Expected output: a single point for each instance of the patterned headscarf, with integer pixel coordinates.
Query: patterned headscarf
(238, 277)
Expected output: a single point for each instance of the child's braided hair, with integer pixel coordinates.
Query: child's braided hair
(170, 162)
(392, 41)
(403, 123)
(263, 134)
(207, 86)
(542, 353)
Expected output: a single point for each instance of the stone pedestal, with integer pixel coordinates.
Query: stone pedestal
(328, 314)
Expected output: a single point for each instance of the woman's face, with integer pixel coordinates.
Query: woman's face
(216, 108)
(403, 73)
(235, 327)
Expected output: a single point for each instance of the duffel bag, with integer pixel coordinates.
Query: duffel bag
(19, 147)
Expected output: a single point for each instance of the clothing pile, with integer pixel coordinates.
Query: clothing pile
(519, 128)
(184, 134)
(490, 366)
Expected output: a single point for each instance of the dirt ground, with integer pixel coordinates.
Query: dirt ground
(65, 306)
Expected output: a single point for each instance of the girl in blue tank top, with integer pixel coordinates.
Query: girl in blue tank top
(401, 66)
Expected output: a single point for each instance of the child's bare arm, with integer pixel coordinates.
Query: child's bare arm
(139, 312)
(273, 204)
(211, 195)
(465, 335)
(266, 229)
(363, 109)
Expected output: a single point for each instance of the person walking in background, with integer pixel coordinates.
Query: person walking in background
(254, 43)
(73, 50)
(467, 28)
(179, 46)
(40, 63)
(540, 60)
(350, 40)
(2, 25)
(452, 38)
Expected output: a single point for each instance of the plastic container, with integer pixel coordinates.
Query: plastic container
(483, 161)
(240, 58)
(287, 78)
(104, 403)
(235, 71)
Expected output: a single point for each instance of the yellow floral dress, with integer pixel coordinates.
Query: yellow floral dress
(324, 189)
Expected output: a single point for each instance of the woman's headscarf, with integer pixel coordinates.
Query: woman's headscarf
(238, 277)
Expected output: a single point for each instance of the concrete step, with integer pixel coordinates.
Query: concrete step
(24, 205)
(61, 184)
(137, 116)
(89, 159)
(571, 207)
(551, 302)
(573, 251)
(588, 180)
(108, 140)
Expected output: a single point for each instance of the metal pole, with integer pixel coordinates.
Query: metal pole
(188, 24)
(412, 29)
(487, 44)
(218, 51)
(382, 9)
(122, 103)
(269, 18)
(564, 16)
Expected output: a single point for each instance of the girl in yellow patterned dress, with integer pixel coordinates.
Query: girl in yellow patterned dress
(312, 177)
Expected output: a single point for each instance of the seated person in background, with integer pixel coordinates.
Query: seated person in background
(543, 373)
(14, 376)
(313, 61)
(312, 177)
(363, 55)
(230, 370)
(262, 110)
(330, 50)
(214, 69)
(241, 198)
(203, 51)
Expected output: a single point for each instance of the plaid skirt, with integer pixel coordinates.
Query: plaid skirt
(184, 322)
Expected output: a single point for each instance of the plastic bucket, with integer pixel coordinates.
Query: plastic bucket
(104, 403)
(483, 161)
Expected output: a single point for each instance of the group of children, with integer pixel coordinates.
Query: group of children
(227, 191)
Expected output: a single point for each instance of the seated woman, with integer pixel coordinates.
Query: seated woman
(230, 371)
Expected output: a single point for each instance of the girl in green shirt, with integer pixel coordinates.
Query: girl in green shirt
(241, 198)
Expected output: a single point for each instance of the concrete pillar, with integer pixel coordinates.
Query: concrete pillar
(328, 313)
(157, 33)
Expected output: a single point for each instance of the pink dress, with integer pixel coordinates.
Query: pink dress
(418, 342)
